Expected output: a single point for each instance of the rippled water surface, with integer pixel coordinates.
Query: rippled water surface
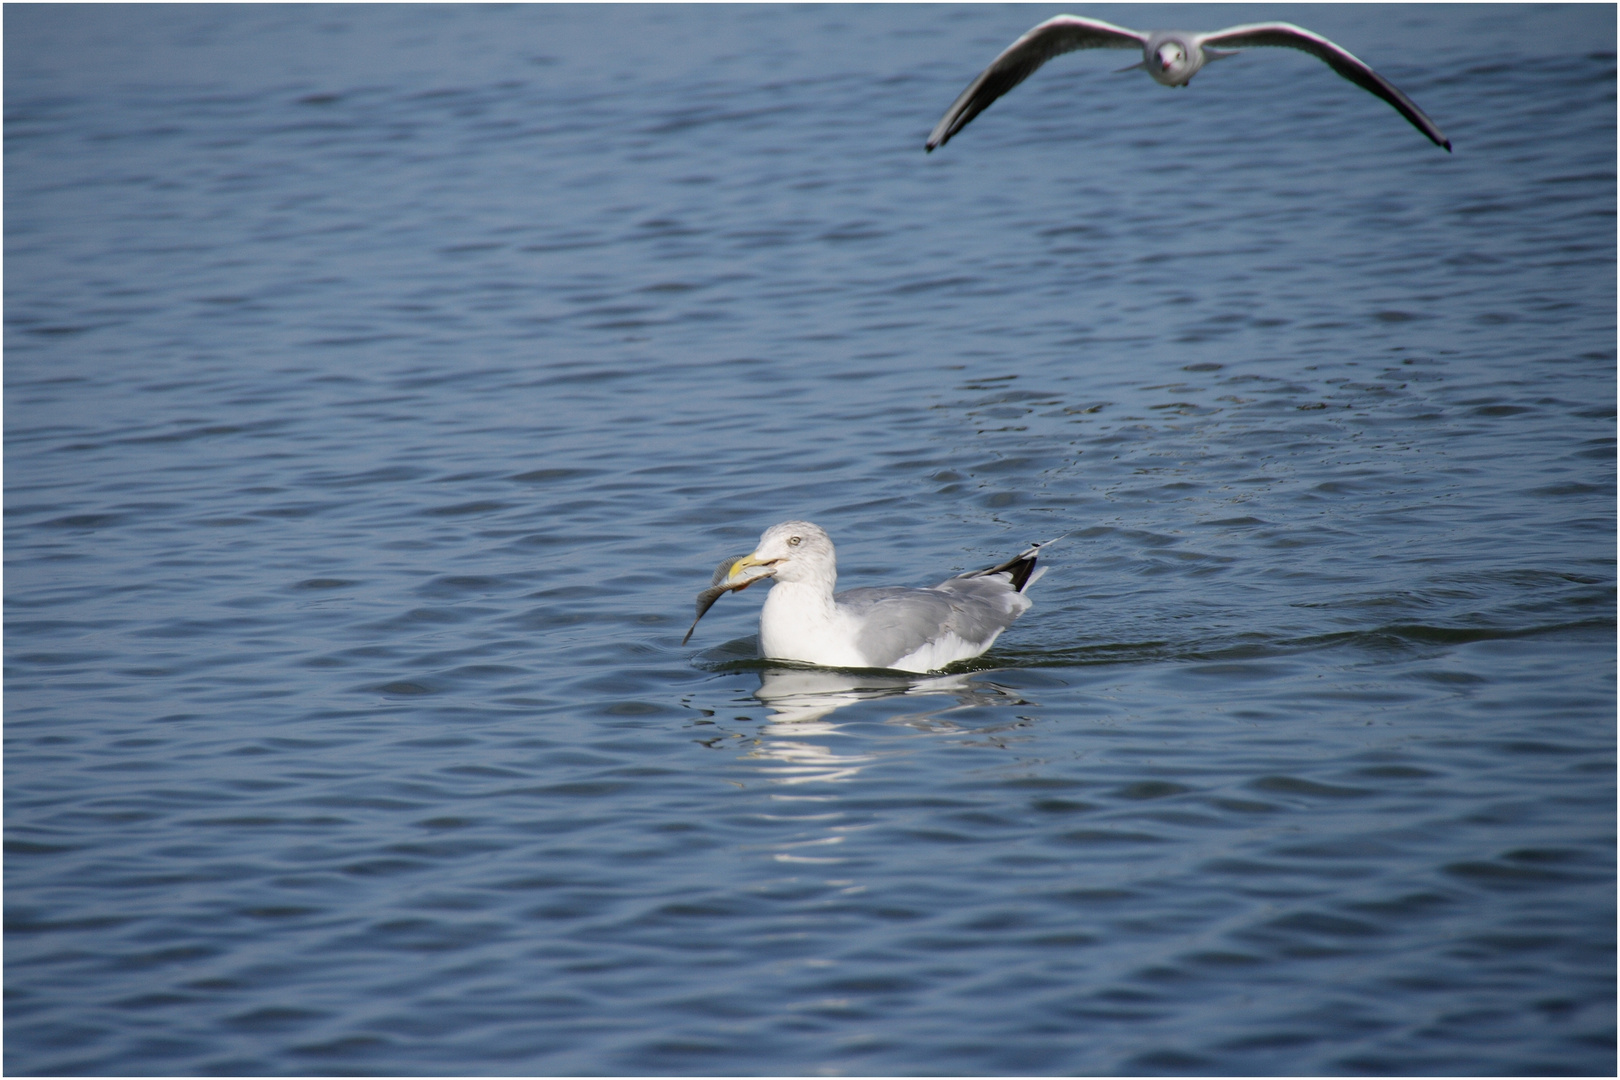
(382, 384)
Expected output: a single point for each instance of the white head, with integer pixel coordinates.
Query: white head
(796, 551)
(1173, 58)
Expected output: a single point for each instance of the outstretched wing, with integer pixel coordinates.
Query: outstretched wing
(1289, 36)
(1059, 34)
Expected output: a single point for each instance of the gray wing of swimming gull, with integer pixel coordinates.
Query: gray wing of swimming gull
(895, 621)
(1020, 60)
(976, 607)
(1289, 36)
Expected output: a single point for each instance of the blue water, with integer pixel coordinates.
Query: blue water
(383, 383)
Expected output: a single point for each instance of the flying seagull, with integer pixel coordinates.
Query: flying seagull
(903, 629)
(1172, 57)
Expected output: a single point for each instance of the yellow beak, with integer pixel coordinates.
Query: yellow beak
(743, 564)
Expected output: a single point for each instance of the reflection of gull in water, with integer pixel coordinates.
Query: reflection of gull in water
(800, 699)
(798, 694)
(796, 762)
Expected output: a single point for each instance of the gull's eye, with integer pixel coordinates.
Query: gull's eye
(793, 541)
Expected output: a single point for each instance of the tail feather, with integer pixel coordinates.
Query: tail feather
(1021, 567)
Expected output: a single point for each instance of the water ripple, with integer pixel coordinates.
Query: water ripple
(381, 387)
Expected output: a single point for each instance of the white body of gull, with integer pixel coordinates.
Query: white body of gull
(1172, 57)
(903, 629)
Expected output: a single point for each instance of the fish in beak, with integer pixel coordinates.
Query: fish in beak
(732, 575)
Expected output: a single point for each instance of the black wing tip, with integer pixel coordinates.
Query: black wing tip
(1435, 137)
(1021, 571)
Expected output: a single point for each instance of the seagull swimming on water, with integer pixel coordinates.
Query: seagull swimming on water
(899, 628)
(1172, 57)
